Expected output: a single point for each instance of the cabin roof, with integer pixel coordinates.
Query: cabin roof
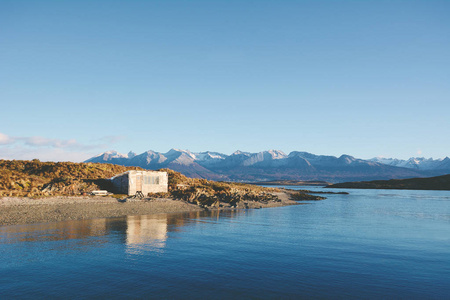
(136, 171)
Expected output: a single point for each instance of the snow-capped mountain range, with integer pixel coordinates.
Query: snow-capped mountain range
(276, 165)
(418, 163)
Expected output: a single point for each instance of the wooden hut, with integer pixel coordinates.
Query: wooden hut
(133, 182)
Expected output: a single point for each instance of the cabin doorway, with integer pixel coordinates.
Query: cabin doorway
(138, 183)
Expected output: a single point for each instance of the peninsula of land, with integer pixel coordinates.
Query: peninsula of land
(37, 192)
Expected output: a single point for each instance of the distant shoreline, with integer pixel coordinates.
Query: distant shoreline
(291, 183)
(437, 183)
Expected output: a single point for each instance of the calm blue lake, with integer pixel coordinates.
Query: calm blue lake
(370, 244)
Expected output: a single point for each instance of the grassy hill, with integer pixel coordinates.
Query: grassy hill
(430, 183)
(41, 179)
(35, 178)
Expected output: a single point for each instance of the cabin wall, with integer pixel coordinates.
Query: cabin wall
(148, 182)
(121, 184)
(160, 187)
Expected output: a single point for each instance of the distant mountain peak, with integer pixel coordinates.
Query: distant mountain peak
(209, 155)
(239, 152)
(277, 154)
(111, 154)
(175, 151)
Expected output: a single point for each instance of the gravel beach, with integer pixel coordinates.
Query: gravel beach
(22, 210)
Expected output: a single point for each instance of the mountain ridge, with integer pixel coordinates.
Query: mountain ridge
(420, 163)
(270, 165)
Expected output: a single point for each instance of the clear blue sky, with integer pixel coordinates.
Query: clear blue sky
(364, 78)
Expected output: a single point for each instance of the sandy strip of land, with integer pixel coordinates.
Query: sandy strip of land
(18, 210)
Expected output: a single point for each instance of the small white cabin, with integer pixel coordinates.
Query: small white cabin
(131, 182)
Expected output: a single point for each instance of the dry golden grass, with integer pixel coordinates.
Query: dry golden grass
(39, 179)
(35, 178)
(208, 192)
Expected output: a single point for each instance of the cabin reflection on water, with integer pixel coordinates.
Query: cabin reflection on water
(137, 233)
(146, 232)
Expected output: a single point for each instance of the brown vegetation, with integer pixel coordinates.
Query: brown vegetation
(38, 179)
(35, 178)
(213, 193)
(41, 179)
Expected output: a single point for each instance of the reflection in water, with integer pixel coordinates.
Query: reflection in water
(150, 232)
(146, 232)
(58, 231)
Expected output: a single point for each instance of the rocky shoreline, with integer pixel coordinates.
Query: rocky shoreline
(23, 210)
